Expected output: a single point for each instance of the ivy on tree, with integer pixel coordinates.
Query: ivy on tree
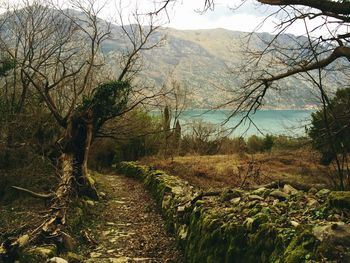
(108, 101)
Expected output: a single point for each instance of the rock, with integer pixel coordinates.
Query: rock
(334, 233)
(312, 190)
(260, 191)
(228, 194)
(90, 202)
(290, 190)
(57, 260)
(339, 199)
(298, 249)
(253, 223)
(334, 218)
(102, 195)
(40, 253)
(99, 260)
(120, 260)
(235, 201)
(95, 254)
(311, 201)
(266, 210)
(166, 202)
(74, 258)
(322, 193)
(248, 223)
(279, 195)
(294, 223)
(182, 233)
(181, 209)
(22, 240)
(177, 190)
(127, 259)
(2, 250)
(335, 240)
(252, 204)
(255, 197)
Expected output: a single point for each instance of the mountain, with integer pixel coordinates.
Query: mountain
(203, 61)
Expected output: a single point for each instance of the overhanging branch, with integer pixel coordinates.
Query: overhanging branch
(342, 8)
(338, 52)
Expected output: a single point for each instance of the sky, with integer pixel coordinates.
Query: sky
(246, 18)
(184, 14)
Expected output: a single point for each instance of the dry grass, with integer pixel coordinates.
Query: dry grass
(210, 172)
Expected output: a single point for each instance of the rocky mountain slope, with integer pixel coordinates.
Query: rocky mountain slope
(203, 61)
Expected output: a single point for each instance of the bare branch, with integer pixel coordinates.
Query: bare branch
(336, 7)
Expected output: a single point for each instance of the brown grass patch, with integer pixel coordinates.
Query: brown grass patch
(218, 171)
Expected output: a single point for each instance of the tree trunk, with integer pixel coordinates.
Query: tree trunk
(73, 172)
(75, 153)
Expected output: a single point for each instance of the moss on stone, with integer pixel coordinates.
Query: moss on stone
(339, 199)
(38, 254)
(228, 194)
(74, 258)
(213, 230)
(301, 248)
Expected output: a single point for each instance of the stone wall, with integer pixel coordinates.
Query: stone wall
(264, 225)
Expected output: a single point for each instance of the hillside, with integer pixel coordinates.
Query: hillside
(203, 61)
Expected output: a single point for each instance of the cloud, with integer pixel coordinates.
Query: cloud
(247, 18)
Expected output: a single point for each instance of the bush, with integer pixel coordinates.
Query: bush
(289, 143)
(268, 142)
(329, 131)
(201, 138)
(233, 145)
(255, 144)
(136, 135)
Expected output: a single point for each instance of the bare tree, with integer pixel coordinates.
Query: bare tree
(260, 72)
(57, 54)
(323, 49)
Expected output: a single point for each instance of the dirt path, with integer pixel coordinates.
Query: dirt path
(127, 225)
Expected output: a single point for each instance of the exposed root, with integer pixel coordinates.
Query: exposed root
(34, 194)
(53, 226)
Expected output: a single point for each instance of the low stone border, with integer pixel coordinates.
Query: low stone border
(264, 225)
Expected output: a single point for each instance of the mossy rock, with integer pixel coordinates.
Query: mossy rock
(38, 254)
(214, 230)
(339, 199)
(74, 258)
(335, 239)
(301, 248)
(229, 194)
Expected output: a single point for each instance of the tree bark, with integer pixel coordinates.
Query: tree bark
(75, 152)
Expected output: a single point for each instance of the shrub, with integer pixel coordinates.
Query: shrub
(233, 145)
(255, 144)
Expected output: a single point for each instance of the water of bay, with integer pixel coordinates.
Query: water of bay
(276, 122)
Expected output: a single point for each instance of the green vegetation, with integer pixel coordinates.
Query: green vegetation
(329, 127)
(330, 135)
